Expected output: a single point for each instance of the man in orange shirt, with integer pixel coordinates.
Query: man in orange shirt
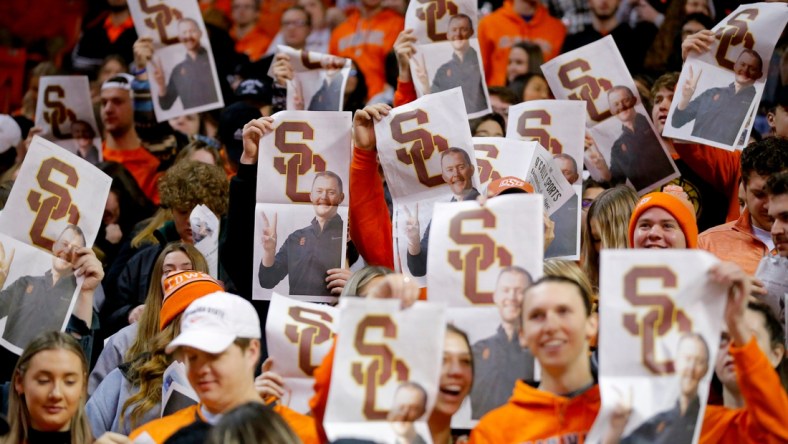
(121, 142)
(367, 36)
(249, 38)
(777, 188)
(515, 21)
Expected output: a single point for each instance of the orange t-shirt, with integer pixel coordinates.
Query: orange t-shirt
(141, 164)
(368, 41)
(254, 43)
(504, 27)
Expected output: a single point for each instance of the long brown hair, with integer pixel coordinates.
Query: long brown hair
(18, 415)
(149, 320)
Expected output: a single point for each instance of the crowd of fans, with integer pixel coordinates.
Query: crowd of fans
(153, 301)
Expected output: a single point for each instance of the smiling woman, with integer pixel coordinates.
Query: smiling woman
(47, 402)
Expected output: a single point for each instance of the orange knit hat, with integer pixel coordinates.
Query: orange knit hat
(181, 289)
(679, 208)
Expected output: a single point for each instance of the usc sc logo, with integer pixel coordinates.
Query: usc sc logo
(486, 170)
(384, 366)
(301, 161)
(585, 87)
(424, 145)
(434, 11)
(55, 207)
(537, 132)
(736, 32)
(159, 17)
(317, 332)
(658, 321)
(57, 113)
(480, 257)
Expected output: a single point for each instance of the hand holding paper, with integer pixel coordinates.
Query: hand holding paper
(282, 69)
(364, 125)
(269, 383)
(252, 133)
(396, 286)
(699, 42)
(405, 49)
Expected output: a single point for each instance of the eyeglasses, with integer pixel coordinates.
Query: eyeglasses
(296, 23)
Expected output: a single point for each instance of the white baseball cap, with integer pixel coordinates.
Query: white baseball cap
(213, 322)
(10, 133)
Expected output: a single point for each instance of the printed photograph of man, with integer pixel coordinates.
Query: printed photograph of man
(410, 404)
(464, 69)
(329, 96)
(718, 113)
(678, 424)
(192, 79)
(637, 154)
(309, 253)
(84, 136)
(34, 304)
(457, 171)
(501, 360)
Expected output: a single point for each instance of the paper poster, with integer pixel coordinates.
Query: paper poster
(772, 271)
(660, 325)
(427, 158)
(205, 233)
(319, 80)
(447, 51)
(719, 90)
(383, 388)
(558, 125)
(302, 204)
(298, 335)
(38, 289)
(618, 124)
(176, 392)
(182, 72)
(54, 189)
(65, 114)
(499, 157)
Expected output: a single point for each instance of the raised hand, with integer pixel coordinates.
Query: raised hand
(158, 75)
(364, 125)
(396, 286)
(413, 230)
(337, 279)
(269, 383)
(269, 233)
(405, 49)
(699, 42)
(87, 265)
(143, 51)
(549, 230)
(282, 69)
(252, 133)
(421, 74)
(739, 287)
(688, 87)
(5, 264)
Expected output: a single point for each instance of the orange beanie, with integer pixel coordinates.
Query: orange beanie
(181, 289)
(677, 207)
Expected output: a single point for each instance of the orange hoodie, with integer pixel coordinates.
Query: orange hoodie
(504, 27)
(367, 41)
(735, 242)
(764, 418)
(141, 164)
(533, 415)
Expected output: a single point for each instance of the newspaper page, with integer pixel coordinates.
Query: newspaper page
(719, 90)
(427, 158)
(319, 80)
(619, 127)
(447, 51)
(302, 205)
(182, 72)
(205, 233)
(660, 325)
(55, 189)
(298, 335)
(383, 388)
(64, 112)
(482, 259)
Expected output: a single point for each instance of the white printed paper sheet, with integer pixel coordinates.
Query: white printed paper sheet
(302, 204)
(64, 112)
(182, 72)
(299, 335)
(382, 387)
(660, 326)
(319, 80)
(719, 90)
(205, 233)
(773, 272)
(447, 51)
(622, 133)
(176, 392)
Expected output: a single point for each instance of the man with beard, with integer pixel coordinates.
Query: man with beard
(462, 70)
(457, 171)
(308, 254)
(500, 360)
(678, 424)
(720, 112)
(410, 404)
(637, 154)
(192, 79)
